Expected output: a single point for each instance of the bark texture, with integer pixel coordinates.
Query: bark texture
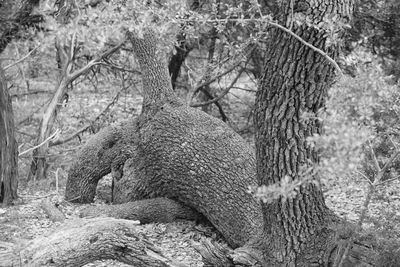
(8, 146)
(297, 231)
(82, 241)
(106, 152)
(185, 155)
(188, 156)
(13, 15)
(161, 210)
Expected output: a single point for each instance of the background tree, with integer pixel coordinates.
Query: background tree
(13, 16)
(9, 147)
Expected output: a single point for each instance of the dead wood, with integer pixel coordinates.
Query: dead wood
(52, 211)
(82, 241)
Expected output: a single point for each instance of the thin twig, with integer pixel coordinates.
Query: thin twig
(316, 49)
(93, 62)
(195, 105)
(270, 22)
(364, 176)
(211, 80)
(41, 144)
(21, 59)
(85, 128)
(107, 63)
(374, 158)
(394, 144)
(390, 161)
(388, 181)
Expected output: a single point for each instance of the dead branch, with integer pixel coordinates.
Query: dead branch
(227, 89)
(213, 79)
(41, 144)
(21, 59)
(85, 128)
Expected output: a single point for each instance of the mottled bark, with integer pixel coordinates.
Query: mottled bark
(13, 15)
(8, 146)
(297, 232)
(106, 152)
(83, 241)
(52, 212)
(185, 155)
(161, 210)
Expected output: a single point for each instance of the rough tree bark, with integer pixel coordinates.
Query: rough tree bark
(182, 154)
(8, 146)
(185, 155)
(83, 241)
(13, 15)
(299, 231)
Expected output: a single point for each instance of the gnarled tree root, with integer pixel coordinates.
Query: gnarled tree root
(161, 210)
(85, 240)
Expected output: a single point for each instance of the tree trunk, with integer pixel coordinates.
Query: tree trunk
(8, 146)
(190, 157)
(38, 168)
(83, 241)
(185, 155)
(296, 78)
(106, 152)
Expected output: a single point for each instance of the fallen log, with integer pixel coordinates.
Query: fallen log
(82, 241)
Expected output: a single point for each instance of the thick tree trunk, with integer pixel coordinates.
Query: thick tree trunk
(83, 241)
(106, 152)
(296, 78)
(185, 155)
(8, 146)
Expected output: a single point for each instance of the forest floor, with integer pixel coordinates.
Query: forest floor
(27, 220)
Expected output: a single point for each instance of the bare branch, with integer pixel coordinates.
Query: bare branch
(364, 176)
(221, 95)
(388, 180)
(316, 49)
(211, 80)
(32, 93)
(41, 144)
(270, 22)
(85, 128)
(107, 63)
(390, 161)
(376, 163)
(21, 59)
(93, 62)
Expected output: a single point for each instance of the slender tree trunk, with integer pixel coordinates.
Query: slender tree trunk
(296, 79)
(8, 146)
(39, 165)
